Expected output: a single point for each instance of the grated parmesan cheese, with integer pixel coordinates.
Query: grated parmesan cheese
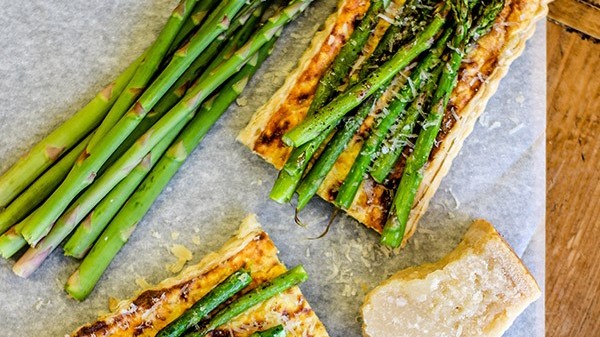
(516, 129)
(182, 254)
(386, 18)
(456, 202)
(495, 125)
(141, 282)
(113, 303)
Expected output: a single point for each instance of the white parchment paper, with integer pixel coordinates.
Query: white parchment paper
(54, 56)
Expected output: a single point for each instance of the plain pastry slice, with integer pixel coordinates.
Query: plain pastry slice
(476, 290)
(249, 248)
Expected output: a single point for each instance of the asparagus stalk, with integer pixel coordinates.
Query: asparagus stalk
(217, 296)
(86, 167)
(82, 282)
(40, 189)
(486, 15)
(214, 54)
(409, 22)
(90, 228)
(87, 233)
(11, 241)
(103, 186)
(197, 16)
(84, 237)
(145, 71)
(276, 331)
(314, 178)
(394, 229)
(35, 256)
(333, 112)
(195, 96)
(352, 182)
(387, 158)
(292, 171)
(278, 285)
(248, 19)
(48, 150)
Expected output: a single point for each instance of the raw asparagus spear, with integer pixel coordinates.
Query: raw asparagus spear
(90, 228)
(264, 292)
(352, 182)
(276, 331)
(247, 18)
(333, 112)
(82, 282)
(385, 162)
(197, 16)
(310, 183)
(292, 171)
(65, 224)
(40, 189)
(85, 235)
(86, 167)
(145, 71)
(11, 241)
(48, 150)
(394, 229)
(250, 18)
(217, 296)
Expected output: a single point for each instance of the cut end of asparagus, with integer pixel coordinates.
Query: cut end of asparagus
(276, 331)
(33, 234)
(30, 261)
(282, 192)
(298, 273)
(287, 140)
(10, 243)
(393, 233)
(73, 287)
(378, 178)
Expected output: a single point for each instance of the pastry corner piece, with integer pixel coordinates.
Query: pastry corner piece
(476, 290)
(250, 248)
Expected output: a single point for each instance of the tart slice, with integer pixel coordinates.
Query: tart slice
(484, 63)
(249, 249)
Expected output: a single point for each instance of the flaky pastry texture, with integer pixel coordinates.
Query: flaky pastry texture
(477, 290)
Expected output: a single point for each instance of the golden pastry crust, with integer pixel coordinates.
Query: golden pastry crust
(249, 248)
(487, 63)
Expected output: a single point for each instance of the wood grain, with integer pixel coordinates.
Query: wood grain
(580, 15)
(573, 185)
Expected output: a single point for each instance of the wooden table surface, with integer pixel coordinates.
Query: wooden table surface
(573, 169)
